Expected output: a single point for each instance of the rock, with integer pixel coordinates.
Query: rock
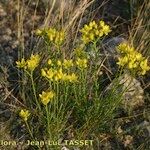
(145, 125)
(128, 140)
(2, 11)
(64, 148)
(6, 38)
(6, 31)
(133, 94)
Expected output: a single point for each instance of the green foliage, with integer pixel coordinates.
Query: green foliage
(63, 91)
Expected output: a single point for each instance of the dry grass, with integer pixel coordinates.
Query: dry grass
(140, 26)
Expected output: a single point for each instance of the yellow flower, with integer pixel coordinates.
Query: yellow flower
(58, 75)
(46, 97)
(94, 31)
(59, 63)
(64, 77)
(72, 77)
(24, 114)
(51, 33)
(125, 48)
(33, 62)
(106, 29)
(85, 39)
(139, 56)
(50, 74)
(91, 36)
(132, 64)
(49, 62)
(122, 47)
(132, 59)
(69, 77)
(43, 72)
(59, 37)
(39, 32)
(144, 66)
(94, 24)
(81, 63)
(21, 64)
(67, 63)
(55, 36)
(122, 61)
(102, 23)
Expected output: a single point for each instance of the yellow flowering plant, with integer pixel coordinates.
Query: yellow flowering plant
(65, 78)
(132, 59)
(74, 84)
(29, 66)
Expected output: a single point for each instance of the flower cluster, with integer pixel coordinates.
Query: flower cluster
(132, 59)
(54, 36)
(67, 63)
(58, 75)
(81, 63)
(46, 96)
(61, 70)
(24, 114)
(30, 64)
(94, 30)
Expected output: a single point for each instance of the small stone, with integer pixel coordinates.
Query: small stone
(119, 130)
(8, 31)
(145, 124)
(6, 38)
(64, 148)
(128, 140)
(14, 44)
(2, 11)
(5, 31)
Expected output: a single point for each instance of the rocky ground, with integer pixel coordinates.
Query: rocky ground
(133, 130)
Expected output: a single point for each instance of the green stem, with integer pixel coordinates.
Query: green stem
(83, 76)
(23, 79)
(57, 105)
(30, 132)
(57, 94)
(55, 99)
(34, 91)
(66, 91)
(75, 93)
(48, 121)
